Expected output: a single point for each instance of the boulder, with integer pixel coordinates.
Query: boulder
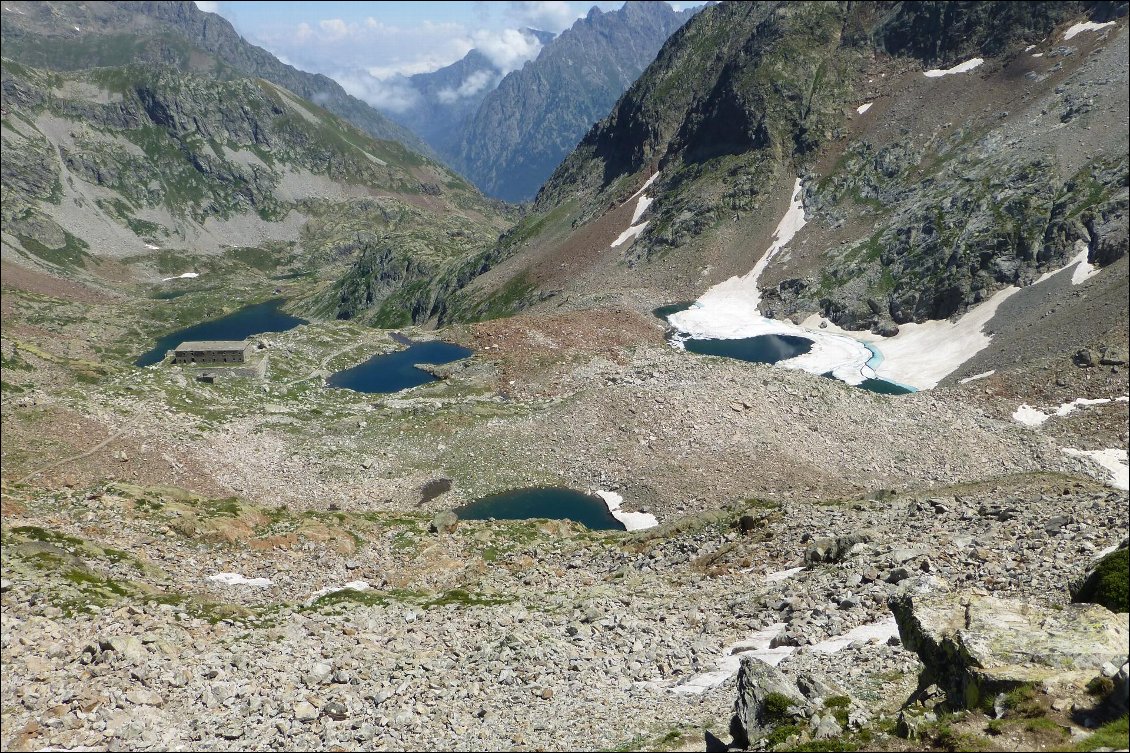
(445, 521)
(752, 716)
(837, 549)
(975, 646)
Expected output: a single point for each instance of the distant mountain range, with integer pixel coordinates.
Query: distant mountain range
(507, 134)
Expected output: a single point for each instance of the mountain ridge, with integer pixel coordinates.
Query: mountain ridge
(122, 31)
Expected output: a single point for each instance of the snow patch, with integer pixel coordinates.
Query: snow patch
(782, 574)
(633, 521)
(641, 206)
(631, 232)
(880, 631)
(1085, 26)
(1030, 47)
(864, 108)
(1037, 54)
(975, 377)
(647, 184)
(1115, 461)
(235, 579)
(353, 585)
(757, 646)
(185, 276)
(151, 247)
(965, 67)
(1030, 416)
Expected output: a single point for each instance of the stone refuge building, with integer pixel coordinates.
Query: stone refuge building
(212, 352)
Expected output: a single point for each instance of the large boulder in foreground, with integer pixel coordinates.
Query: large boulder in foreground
(763, 692)
(976, 646)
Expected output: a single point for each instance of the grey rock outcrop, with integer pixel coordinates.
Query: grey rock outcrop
(445, 521)
(976, 646)
(756, 682)
(836, 549)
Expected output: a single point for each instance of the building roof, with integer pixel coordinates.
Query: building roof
(213, 345)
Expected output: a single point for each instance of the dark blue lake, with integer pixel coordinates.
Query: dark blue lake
(543, 502)
(671, 308)
(760, 349)
(883, 387)
(879, 386)
(397, 371)
(238, 325)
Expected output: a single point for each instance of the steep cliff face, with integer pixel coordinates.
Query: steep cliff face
(524, 128)
(924, 193)
(69, 36)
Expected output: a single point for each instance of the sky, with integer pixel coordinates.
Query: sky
(369, 47)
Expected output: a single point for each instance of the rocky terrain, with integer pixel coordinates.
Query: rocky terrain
(269, 562)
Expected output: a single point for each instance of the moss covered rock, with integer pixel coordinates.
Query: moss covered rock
(1107, 582)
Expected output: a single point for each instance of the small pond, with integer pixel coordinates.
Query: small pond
(392, 372)
(543, 502)
(760, 349)
(238, 325)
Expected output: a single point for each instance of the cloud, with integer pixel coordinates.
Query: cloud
(393, 94)
(372, 59)
(508, 49)
(208, 6)
(334, 28)
(475, 83)
(549, 15)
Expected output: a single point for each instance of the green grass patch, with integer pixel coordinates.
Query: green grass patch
(1113, 735)
(71, 255)
(460, 597)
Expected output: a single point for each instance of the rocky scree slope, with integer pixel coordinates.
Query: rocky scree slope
(222, 164)
(68, 36)
(745, 97)
(526, 126)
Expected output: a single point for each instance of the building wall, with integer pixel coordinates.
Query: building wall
(208, 356)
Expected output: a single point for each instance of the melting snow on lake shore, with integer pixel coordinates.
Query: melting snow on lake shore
(1115, 462)
(728, 311)
(633, 521)
(965, 67)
